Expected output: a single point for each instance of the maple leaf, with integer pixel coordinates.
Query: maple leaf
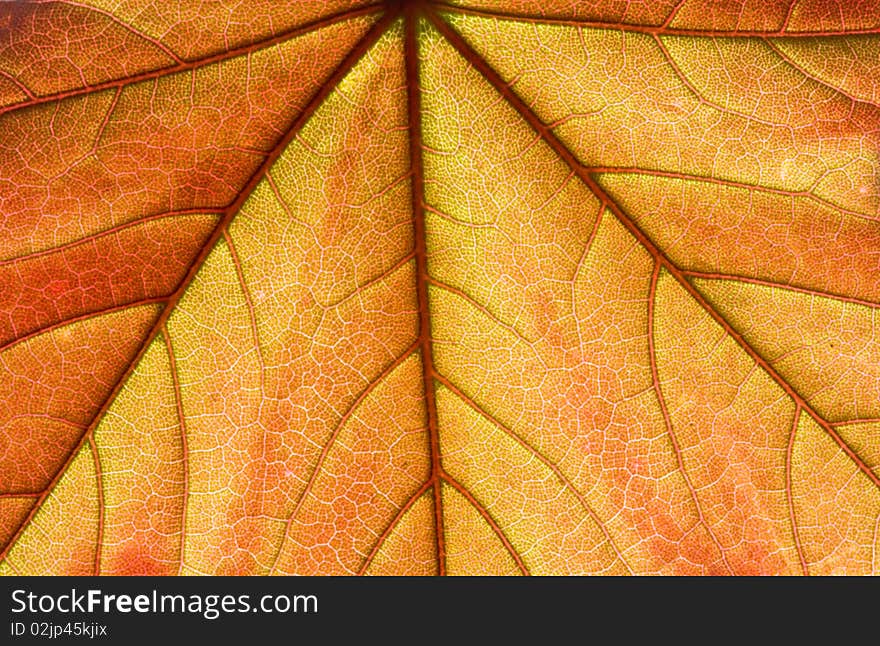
(471, 287)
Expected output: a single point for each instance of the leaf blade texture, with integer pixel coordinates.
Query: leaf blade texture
(424, 288)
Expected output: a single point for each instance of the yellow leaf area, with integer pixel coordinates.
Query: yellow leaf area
(522, 288)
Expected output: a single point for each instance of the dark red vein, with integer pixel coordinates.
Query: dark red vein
(252, 315)
(360, 289)
(698, 95)
(622, 170)
(670, 432)
(645, 29)
(672, 14)
(788, 15)
(767, 283)
(106, 232)
(190, 65)
(181, 420)
(229, 213)
(101, 129)
(788, 492)
(800, 70)
(566, 155)
(586, 250)
(411, 54)
(99, 484)
(132, 30)
(462, 223)
(394, 523)
(857, 420)
(566, 483)
(481, 308)
(325, 450)
(83, 317)
(489, 520)
(577, 270)
(21, 86)
(739, 338)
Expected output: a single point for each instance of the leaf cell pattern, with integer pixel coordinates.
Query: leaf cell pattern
(465, 287)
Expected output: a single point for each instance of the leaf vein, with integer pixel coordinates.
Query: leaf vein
(789, 493)
(495, 80)
(229, 213)
(493, 524)
(554, 468)
(325, 451)
(658, 392)
(194, 64)
(181, 421)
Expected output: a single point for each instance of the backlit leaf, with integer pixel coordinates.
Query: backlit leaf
(520, 287)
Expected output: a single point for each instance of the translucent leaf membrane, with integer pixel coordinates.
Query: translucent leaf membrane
(638, 12)
(846, 63)
(13, 512)
(698, 15)
(409, 546)
(829, 355)
(186, 141)
(195, 31)
(286, 378)
(621, 99)
(750, 531)
(40, 53)
(109, 270)
(50, 46)
(143, 452)
(53, 383)
(718, 229)
(835, 505)
(863, 437)
(55, 544)
(497, 291)
(95, 229)
(732, 426)
(472, 546)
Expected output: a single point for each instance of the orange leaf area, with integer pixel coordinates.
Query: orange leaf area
(465, 287)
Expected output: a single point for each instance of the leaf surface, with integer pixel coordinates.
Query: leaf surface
(440, 288)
